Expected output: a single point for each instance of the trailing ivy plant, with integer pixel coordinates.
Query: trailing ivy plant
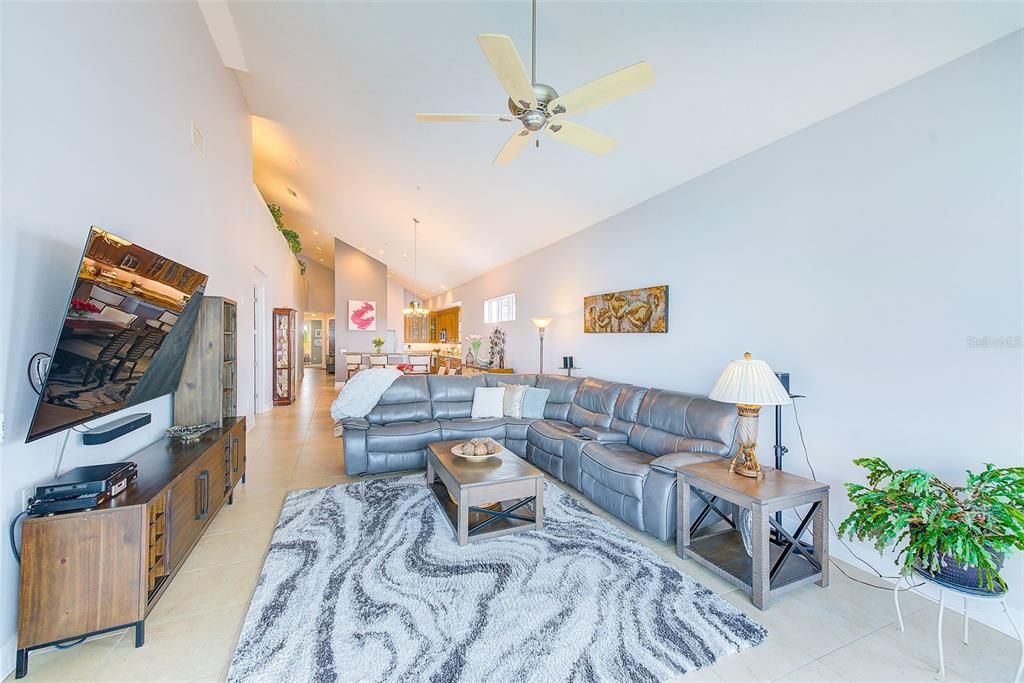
(973, 525)
(290, 236)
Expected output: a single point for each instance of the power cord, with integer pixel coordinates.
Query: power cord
(17, 556)
(14, 543)
(814, 476)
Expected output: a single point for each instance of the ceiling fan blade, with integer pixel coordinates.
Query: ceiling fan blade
(508, 67)
(580, 136)
(512, 148)
(604, 90)
(474, 118)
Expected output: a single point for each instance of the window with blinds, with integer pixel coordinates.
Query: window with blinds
(500, 309)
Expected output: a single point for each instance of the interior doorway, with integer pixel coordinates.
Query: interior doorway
(316, 343)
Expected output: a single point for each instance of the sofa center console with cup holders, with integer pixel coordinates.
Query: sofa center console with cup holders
(617, 443)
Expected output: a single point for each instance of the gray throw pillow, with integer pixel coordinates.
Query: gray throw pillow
(534, 401)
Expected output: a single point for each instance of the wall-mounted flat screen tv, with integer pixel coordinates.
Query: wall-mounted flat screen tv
(125, 334)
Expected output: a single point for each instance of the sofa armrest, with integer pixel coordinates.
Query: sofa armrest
(671, 462)
(354, 445)
(603, 435)
(355, 423)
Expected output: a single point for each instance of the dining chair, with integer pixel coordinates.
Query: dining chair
(420, 364)
(148, 341)
(97, 358)
(378, 360)
(105, 296)
(353, 363)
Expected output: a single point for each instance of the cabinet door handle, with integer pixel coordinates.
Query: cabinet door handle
(168, 531)
(236, 447)
(204, 494)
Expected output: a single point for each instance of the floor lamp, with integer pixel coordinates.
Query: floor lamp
(542, 324)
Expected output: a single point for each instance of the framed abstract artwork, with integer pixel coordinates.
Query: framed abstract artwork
(362, 315)
(632, 310)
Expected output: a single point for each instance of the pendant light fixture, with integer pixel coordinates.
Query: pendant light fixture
(415, 309)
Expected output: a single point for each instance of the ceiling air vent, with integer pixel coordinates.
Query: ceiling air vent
(291, 192)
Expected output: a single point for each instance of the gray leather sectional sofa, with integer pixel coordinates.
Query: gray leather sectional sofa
(616, 443)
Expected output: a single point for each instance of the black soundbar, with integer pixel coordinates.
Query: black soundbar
(106, 433)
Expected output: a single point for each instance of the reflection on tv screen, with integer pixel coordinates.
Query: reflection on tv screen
(125, 333)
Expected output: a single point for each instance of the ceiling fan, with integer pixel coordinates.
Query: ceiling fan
(538, 107)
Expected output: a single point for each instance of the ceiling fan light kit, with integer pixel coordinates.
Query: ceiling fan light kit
(538, 106)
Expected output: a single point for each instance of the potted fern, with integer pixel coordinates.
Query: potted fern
(956, 535)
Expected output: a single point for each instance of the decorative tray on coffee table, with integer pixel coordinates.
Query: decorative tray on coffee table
(471, 450)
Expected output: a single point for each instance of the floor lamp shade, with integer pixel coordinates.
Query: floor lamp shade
(749, 384)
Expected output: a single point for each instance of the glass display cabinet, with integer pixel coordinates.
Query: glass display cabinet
(285, 350)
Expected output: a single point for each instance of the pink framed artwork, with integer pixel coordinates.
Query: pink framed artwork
(362, 315)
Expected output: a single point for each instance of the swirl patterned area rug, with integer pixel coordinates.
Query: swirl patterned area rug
(365, 582)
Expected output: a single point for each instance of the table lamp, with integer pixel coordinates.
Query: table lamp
(749, 384)
(541, 324)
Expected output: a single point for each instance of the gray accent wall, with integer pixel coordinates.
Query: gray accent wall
(876, 255)
(358, 276)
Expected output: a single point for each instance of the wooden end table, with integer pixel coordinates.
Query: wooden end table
(775, 565)
(504, 478)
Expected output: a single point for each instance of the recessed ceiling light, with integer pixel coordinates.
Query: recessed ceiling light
(315, 232)
(319, 249)
(321, 259)
(405, 256)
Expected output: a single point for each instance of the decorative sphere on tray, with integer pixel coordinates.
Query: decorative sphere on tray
(477, 448)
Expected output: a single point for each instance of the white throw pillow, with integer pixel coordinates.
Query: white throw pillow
(488, 402)
(513, 402)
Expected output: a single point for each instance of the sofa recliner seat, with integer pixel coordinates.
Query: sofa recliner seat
(636, 480)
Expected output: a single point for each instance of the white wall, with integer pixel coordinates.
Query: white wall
(319, 287)
(396, 302)
(861, 254)
(98, 100)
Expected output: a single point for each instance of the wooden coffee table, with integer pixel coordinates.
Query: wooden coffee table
(518, 485)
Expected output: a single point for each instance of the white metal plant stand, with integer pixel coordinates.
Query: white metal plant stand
(999, 598)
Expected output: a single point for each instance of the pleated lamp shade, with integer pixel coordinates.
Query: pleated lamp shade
(749, 382)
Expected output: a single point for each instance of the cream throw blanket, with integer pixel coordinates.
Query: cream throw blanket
(360, 394)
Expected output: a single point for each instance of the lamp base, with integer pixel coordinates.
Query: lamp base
(746, 463)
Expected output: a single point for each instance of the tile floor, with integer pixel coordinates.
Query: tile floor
(844, 633)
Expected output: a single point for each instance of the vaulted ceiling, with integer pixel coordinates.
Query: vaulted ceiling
(334, 87)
